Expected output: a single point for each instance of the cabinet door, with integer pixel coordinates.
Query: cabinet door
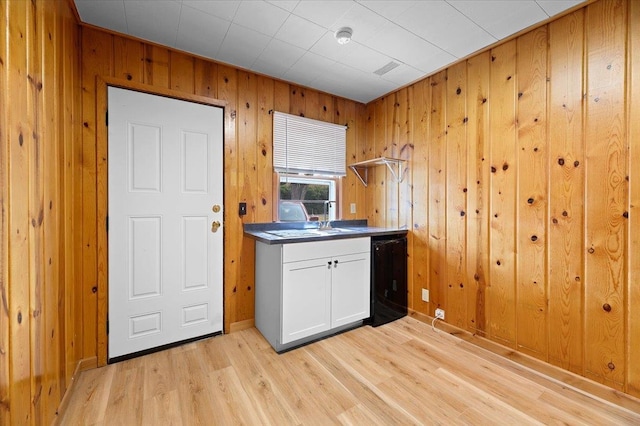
(306, 298)
(350, 289)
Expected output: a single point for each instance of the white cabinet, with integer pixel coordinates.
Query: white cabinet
(308, 290)
(306, 298)
(350, 290)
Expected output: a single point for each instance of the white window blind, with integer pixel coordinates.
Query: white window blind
(302, 145)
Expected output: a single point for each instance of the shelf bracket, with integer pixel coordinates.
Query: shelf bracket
(393, 164)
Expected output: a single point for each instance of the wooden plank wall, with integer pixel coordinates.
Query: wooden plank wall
(525, 192)
(39, 106)
(250, 99)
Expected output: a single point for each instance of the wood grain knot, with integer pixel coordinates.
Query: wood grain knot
(625, 215)
(530, 200)
(464, 120)
(20, 139)
(476, 277)
(606, 307)
(561, 161)
(493, 169)
(462, 213)
(565, 214)
(519, 95)
(576, 163)
(129, 77)
(498, 263)
(464, 189)
(505, 166)
(458, 91)
(264, 201)
(94, 289)
(611, 366)
(554, 220)
(264, 152)
(19, 317)
(484, 100)
(591, 250)
(534, 238)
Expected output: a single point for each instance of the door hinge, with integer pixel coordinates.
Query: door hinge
(106, 118)
(107, 326)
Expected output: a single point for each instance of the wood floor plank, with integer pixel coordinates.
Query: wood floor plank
(401, 373)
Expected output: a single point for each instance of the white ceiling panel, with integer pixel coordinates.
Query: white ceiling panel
(294, 39)
(323, 13)
(157, 22)
(402, 75)
(287, 5)
(223, 9)
(444, 26)
(200, 33)
(553, 7)
(278, 55)
(261, 16)
(103, 13)
(398, 43)
(364, 22)
(364, 58)
(390, 9)
(501, 18)
(308, 68)
(300, 32)
(242, 46)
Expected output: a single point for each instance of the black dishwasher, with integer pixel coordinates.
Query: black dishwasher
(388, 279)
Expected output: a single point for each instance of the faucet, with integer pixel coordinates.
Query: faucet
(327, 223)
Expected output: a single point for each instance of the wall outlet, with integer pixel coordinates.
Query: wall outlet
(353, 208)
(425, 295)
(440, 314)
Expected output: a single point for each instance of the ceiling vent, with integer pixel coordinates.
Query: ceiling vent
(391, 65)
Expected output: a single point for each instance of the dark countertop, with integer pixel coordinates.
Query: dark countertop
(302, 232)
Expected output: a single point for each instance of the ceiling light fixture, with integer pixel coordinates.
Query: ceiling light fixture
(343, 35)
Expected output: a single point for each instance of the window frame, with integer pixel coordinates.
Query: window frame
(280, 177)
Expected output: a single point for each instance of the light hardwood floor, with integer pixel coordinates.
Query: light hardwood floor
(399, 373)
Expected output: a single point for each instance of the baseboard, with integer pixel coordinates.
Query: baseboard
(241, 325)
(82, 365)
(566, 378)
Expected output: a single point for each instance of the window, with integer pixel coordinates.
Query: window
(310, 157)
(307, 198)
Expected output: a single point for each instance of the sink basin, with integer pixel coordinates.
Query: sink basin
(306, 233)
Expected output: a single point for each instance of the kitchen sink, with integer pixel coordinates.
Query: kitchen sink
(306, 233)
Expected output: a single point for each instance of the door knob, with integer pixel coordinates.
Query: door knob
(214, 226)
(215, 208)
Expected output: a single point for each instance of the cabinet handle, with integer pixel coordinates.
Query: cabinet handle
(335, 263)
(329, 265)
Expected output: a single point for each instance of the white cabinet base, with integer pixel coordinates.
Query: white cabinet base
(308, 291)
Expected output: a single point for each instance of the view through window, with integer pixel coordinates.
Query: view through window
(307, 199)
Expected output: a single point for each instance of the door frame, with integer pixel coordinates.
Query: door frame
(102, 140)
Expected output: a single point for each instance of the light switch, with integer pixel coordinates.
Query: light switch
(353, 208)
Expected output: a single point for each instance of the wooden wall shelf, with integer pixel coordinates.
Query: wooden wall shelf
(393, 164)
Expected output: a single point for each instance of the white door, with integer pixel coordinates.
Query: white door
(306, 298)
(165, 261)
(350, 289)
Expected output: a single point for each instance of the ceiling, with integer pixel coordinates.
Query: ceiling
(294, 40)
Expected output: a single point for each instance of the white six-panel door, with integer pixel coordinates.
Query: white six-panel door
(165, 261)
